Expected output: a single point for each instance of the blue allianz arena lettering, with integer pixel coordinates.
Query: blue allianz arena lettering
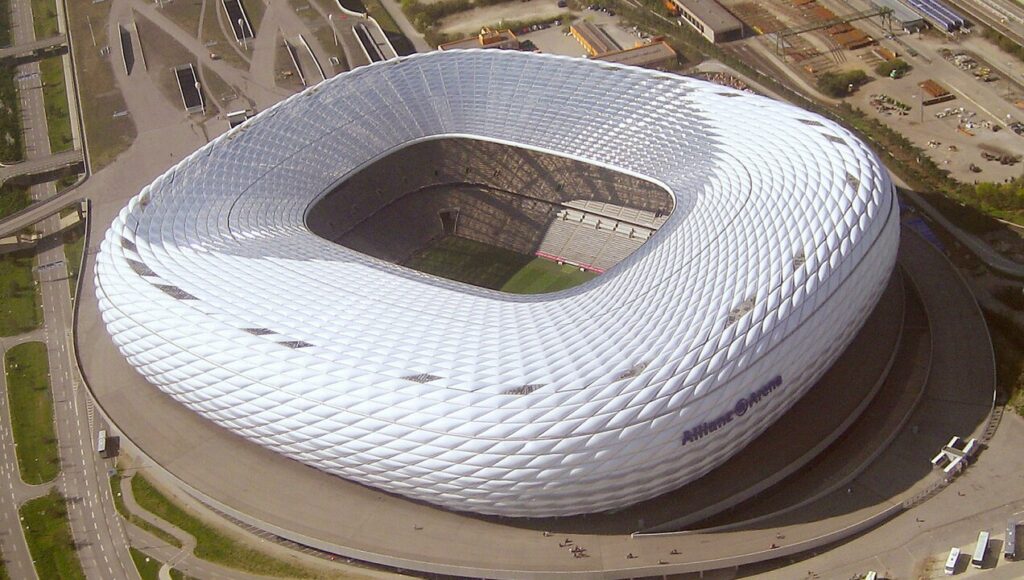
(741, 407)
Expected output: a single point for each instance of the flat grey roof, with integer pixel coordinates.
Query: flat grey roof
(641, 55)
(900, 11)
(712, 14)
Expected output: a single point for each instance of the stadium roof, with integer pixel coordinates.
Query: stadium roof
(783, 233)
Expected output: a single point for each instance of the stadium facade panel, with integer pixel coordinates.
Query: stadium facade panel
(782, 237)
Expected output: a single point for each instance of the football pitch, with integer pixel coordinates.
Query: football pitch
(496, 268)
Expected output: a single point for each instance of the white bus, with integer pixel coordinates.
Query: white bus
(101, 441)
(1010, 545)
(954, 556)
(980, 550)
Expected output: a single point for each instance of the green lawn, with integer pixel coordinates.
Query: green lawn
(13, 198)
(540, 276)
(149, 568)
(211, 544)
(44, 17)
(45, 521)
(20, 309)
(115, 490)
(110, 132)
(74, 245)
(28, 393)
(5, 40)
(496, 268)
(11, 146)
(55, 99)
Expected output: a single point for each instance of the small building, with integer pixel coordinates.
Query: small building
(902, 14)
(654, 55)
(710, 19)
(488, 38)
(593, 38)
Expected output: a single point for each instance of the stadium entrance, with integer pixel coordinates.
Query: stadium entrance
(492, 215)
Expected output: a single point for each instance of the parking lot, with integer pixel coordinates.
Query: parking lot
(557, 40)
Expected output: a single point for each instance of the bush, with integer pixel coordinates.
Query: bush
(1004, 43)
(895, 68)
(841, 84)
(1008, 197)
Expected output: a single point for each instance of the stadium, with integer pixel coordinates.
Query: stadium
(724, 250)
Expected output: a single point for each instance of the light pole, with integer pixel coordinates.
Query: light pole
(330, 18)
(241, 30)
(202, 101)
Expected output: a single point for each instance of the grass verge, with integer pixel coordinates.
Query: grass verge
(74, 246)
(115, 490)
(149, 568)
(28, 393)
(20, 309)
(55, 99)
(44, 18)
(5, 40)
(11, 144)
(211, 544)
(108, 135)
(45, 521)
(1008, 346)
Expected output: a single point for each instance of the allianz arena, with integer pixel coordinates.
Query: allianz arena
(222, 284)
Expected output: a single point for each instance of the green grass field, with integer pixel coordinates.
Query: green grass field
(496, 268)
(45, 521)
(28, 392)
(74, 245)
(55, 100)
(540, 276)
(211, 544)
(20, 307)
(13, 198)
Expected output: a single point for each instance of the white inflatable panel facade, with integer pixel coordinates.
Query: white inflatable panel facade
(783, 235)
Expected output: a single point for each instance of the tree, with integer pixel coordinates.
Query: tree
(894, 68)
(841, 84)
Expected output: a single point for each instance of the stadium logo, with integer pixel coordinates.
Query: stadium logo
(740, 409)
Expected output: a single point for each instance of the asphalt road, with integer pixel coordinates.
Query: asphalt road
(99, 536)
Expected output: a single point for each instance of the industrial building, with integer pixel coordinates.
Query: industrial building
(488, 38)
(653, 55)
(593, 38)
(710, 19)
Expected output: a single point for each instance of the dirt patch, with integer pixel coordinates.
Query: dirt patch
(471, 21)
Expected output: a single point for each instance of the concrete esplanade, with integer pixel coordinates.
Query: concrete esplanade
(870, 394)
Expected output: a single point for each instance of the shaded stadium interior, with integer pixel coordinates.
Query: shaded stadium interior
(525, 201)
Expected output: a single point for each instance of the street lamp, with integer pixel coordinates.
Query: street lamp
(330, 18)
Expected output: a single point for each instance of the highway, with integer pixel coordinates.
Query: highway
(38, 164)
(36, 47)
(97, 530)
